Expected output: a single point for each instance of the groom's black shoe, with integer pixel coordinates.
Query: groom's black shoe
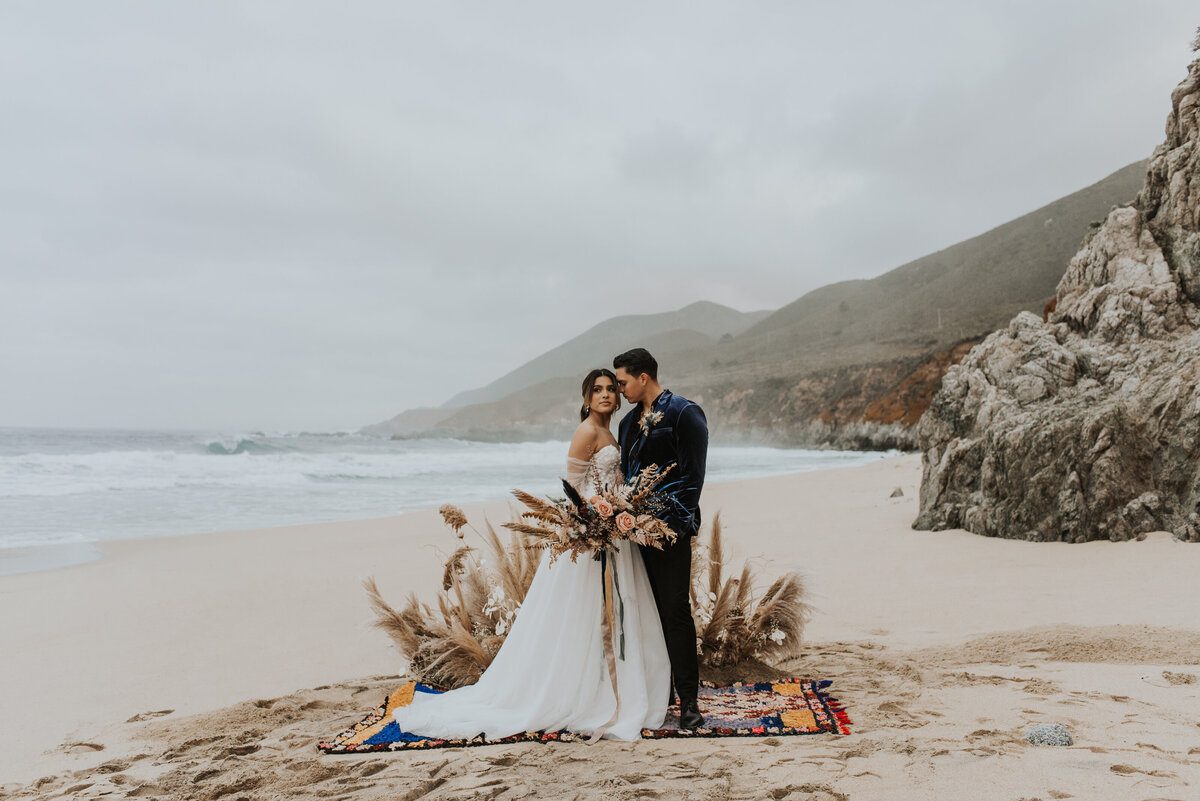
(689, 714)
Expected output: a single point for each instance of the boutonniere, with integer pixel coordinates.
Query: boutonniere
(648, 421)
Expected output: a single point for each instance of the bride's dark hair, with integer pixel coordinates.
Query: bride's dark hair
(587, 390)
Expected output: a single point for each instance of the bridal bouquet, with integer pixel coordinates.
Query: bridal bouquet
(577, 526)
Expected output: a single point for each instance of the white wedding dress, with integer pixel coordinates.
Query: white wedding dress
(551, 673)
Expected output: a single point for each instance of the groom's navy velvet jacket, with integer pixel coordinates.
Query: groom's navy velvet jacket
(679, 438)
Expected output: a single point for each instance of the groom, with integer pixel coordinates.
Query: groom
(666, 429)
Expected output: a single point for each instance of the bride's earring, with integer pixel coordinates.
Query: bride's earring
(587, 409)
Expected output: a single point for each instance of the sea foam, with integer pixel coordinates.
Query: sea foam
(68, 487)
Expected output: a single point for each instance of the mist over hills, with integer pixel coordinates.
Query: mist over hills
(666, 331)
(850, 364)
(962, 289)
(494, 410)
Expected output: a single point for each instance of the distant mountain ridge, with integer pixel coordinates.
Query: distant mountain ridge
(1018, 263)
(597, 345)
(665, 332)
(848, 364)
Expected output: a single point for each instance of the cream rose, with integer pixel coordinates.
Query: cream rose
(602, 507)
(625, 521)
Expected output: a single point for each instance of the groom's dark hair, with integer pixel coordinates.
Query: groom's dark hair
(636, 362)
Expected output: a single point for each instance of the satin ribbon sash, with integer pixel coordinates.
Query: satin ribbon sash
(612, 627)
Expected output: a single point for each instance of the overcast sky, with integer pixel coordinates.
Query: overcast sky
(299, 215)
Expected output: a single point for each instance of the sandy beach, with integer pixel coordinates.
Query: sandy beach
(209, 666)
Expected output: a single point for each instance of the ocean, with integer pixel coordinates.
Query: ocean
(62, 490)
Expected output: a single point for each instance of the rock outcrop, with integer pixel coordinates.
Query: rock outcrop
(865, 406)
(1087, 426)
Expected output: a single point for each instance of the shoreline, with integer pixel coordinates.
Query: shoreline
(204, 625)
(25, 559)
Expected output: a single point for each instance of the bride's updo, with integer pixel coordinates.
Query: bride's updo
(587, 390)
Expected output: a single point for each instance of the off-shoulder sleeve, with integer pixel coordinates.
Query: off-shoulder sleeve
(577, 471)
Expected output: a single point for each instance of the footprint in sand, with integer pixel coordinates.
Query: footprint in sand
(317, 704)
(149, 715)
(1179, 678)
(81, 748)
(897, 715)
(1126, 770)
(372, 768)
(503, 762)
(989, 733)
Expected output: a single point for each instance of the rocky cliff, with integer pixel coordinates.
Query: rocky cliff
(1087, 426)
(859, 406)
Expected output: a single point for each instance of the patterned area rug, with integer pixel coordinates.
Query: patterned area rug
(772, 708)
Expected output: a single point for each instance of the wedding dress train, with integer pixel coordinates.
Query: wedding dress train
(551, 673)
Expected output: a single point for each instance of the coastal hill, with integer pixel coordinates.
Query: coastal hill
(490, 406)
(850, 364)
(856, 363)
(667, 331)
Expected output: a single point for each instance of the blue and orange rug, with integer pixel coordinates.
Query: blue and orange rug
(770, 708)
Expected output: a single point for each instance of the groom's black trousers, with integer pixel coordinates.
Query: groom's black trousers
(670, 572)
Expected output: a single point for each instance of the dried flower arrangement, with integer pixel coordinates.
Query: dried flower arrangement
(452, 645)
(578, 527)
(731, 625)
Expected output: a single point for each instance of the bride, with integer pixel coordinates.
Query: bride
(551, 674)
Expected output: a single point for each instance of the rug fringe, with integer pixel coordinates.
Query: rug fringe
(840, 713)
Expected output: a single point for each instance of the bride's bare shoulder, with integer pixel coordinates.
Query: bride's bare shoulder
(590, 439)
(584, 442)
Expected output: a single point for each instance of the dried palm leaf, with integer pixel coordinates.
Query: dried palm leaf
(525, 528)
(452, 658)
(454, 566)
(716, 556)
(782, 609)
(453, 517)
(537, 504)
(406, 627)
(516, 564)
(477, 585)
(730, 627)
(745, 588)
(542, 517)
(447, 611)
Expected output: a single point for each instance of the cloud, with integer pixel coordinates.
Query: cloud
(280, 215)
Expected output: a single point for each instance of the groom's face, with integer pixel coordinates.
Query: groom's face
(632, 387)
